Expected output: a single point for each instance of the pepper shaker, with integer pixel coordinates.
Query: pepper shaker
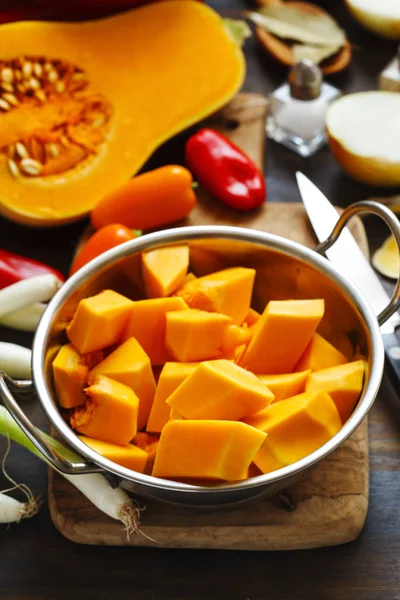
(389, 79)
(297, 109)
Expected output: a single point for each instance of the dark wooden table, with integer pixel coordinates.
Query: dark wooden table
(37, 563)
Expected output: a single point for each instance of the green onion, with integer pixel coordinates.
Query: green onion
(114, 502)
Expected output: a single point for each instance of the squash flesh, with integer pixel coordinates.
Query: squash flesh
(203, 77)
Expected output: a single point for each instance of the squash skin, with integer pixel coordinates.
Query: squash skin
(204, 78)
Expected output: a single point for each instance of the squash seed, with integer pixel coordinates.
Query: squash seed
(40, 95)
(11, 151)
(4, 105)
(33, 84)
(18, 75)
(38, 70)
(21, 150)
(13, 168)
(11, 99)
(30, 166)
(27, 69)
(53, 150)
(60, 87)
(7, 87)
(52, 76)
(7, 75)
(47, 67)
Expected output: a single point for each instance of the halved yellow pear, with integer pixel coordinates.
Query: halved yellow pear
(363, 132)
(379, 16)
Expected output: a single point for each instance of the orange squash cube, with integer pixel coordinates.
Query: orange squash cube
(147, 324)
(235, 336)
(320, 354)
(219, 450)
(70, 373)
(252, 317)
(285, 385)
(228, 292)
(126, 455)
(296, 427)
(187, 279)
(110, 412)
(129, 364)
(193, 335)
(281, 335)
(220, 389)
(164, 269)
(171, 377)
(99, 321)
(149, 444)
(343, 383)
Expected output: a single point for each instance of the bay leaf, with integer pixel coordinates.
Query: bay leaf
(293, 24)
(314, 53)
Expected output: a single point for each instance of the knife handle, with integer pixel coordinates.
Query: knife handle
(392, 351)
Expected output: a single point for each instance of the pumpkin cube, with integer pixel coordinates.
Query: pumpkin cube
(320, 354)
(193, 335)
(148, 443)
(296, 427)
(220, 389)
(252, 317)
(285, 385)
(147, 324)
(110, 412)
(228, 292)
(99, 321)
(281, 335)
(221, 450)
(171, 377)
(129, 364)
(70, 373)
(126, 455)
(187, 279)
(235, 336)
(343, 383)
(164, 269)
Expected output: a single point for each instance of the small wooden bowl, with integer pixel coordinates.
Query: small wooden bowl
(282, 51)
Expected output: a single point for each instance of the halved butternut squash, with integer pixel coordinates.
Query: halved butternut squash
(100, 97)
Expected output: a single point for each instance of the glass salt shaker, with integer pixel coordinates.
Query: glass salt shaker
(297, 109)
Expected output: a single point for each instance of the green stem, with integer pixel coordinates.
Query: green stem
(10, 429)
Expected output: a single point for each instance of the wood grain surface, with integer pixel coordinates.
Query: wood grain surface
(327, 507)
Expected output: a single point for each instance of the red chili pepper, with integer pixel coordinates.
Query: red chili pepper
(225, 170)
(14, 267)
(104, 239)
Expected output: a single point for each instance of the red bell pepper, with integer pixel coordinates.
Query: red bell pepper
(14, 267)
(225, 170)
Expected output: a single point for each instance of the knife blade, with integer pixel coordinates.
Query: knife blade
(349, 259)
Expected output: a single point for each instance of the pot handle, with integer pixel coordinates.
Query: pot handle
(38, 440)
(380, 210)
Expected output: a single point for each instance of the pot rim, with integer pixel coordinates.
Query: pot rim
(189, 233)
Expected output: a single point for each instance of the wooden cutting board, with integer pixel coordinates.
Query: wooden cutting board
(327, 507)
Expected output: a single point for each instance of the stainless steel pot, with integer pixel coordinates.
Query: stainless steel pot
(284, 270)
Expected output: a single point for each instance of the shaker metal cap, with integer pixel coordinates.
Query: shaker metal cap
(305, 79)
